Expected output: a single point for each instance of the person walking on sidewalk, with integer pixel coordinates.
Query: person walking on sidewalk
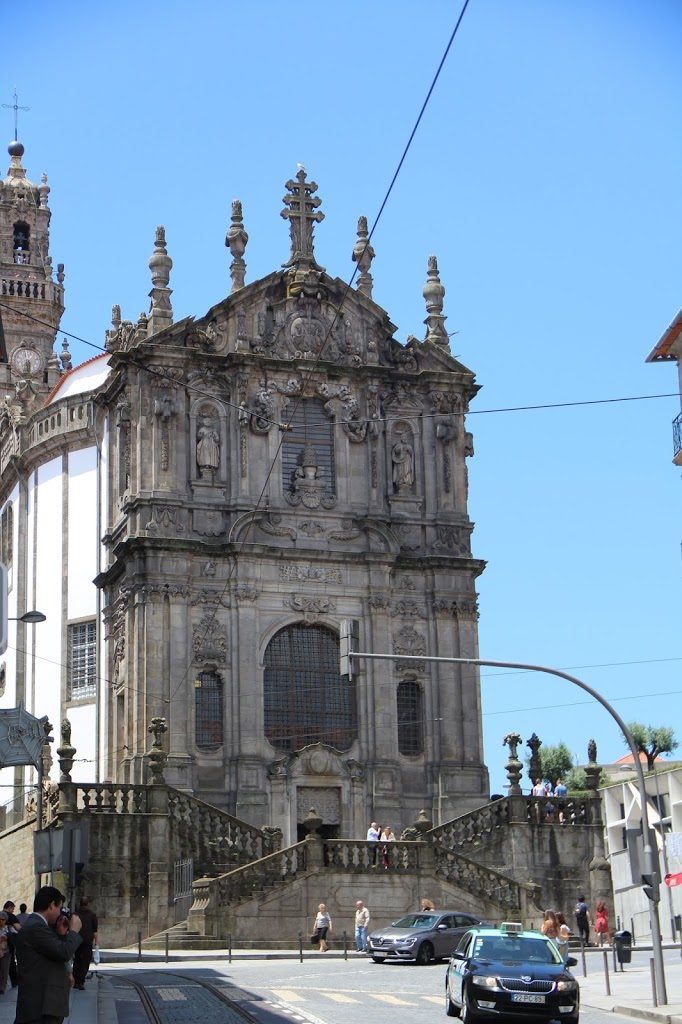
(583, 920)
(83, 957)
(323, 924)
(601, 922)
(361, 924)
(45, 945)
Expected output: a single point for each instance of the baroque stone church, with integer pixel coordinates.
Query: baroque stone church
(198, 508)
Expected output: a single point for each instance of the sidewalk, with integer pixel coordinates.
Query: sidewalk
(631, 991)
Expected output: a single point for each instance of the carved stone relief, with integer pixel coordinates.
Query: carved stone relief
(310, 606)
(209, 642)
(313, 573)
(408, 641)
(325, 799)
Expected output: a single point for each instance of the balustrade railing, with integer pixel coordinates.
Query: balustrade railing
(214, 839)
(473, 826)
(30, 289)
(111, 798)
(477, 879)
(358, 855)
(250, 880)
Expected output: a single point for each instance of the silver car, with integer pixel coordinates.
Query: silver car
(424, 936)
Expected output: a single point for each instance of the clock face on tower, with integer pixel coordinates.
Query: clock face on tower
(26, 361)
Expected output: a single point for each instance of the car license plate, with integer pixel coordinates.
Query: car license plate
(527, 997)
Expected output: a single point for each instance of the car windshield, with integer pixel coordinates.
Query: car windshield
(515, 949)
(416, 921)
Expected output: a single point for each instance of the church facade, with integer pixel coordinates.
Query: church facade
(200, 507)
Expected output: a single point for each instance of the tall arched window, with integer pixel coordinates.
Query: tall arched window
(306, 701)
(410, 717)
(309, 425)
(208, 708)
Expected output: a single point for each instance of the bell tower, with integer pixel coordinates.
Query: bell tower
(31, 302)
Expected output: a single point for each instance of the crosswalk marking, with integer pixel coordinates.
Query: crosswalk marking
(339, 997)
(392, 1000)
(288, 995)
(433, 999)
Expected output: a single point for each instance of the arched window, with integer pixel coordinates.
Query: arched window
(410, 717)
(208, 710)
(21, 242)
(309, 425)
(306, 701)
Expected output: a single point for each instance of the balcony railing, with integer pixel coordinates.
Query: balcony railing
(677, 437)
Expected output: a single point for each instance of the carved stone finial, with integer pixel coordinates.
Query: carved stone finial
(434, 293)
(514, 766)
(592, 752)
(422, 823)
(363, 254)
(66, 752)
(160, 264)
(302, 213)
(156, 756)
(534, 763)
(236, 239)
(115, 316)
(65, 356)
(311, 823)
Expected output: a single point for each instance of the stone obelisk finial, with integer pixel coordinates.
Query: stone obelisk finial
(160, 264)
(236, 239)
(363, 254)
(434, 293)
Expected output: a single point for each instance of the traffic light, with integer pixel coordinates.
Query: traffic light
(348, 641)
(3, 607)
(650, 886)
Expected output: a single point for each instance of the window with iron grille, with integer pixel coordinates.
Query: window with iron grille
(410, 719)
(82, 660)
(309, 425)
(306, 700)
(208, 706)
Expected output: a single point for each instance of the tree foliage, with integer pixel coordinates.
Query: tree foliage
(556, 762)
(653, 740)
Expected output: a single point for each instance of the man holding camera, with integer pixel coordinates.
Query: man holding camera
(45, 945)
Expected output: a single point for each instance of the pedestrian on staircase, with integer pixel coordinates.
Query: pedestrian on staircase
(323, 924)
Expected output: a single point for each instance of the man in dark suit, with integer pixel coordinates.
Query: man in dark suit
(45, 944)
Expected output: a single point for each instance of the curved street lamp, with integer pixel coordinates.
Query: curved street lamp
(31, 617)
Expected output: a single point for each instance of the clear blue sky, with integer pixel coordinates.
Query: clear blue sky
(546, 176)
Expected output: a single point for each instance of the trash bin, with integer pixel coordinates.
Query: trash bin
(622, 945)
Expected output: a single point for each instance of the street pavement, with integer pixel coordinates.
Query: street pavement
(630, 990)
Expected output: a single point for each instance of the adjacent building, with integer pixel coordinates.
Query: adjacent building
(200, 506)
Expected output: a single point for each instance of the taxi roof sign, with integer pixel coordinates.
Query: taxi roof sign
(511, 927)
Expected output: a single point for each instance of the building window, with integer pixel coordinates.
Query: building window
(208, 708)
(306, 700)
(309, 427)
(82, 662)
(7, 535)
(21, 242)
(410, 719)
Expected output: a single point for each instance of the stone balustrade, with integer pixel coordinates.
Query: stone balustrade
(29, 288)
(357, 855)
(472, 827)
(111, 798)
(478, 880)
(215, 840)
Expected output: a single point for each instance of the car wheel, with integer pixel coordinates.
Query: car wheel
(424, 953)
(450, 1008)
(468, 1015)
(378, 959)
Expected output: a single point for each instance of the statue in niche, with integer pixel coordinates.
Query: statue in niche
(208, 448)
(402, 457)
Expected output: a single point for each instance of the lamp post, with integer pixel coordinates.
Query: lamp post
(30, 617)
(650, 870)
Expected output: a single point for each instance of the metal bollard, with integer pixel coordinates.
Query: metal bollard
(300, 946)
(652, 971)
(615, 962)
(139, 945)
(632, 931)
(229, 948)
(582, 955)
(606, 973)
(166, 947)
(345, 944)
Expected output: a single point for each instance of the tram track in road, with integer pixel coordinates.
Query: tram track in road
(171, 998)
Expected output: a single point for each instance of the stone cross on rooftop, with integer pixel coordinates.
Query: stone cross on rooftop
(16, 108)
(301, 212)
